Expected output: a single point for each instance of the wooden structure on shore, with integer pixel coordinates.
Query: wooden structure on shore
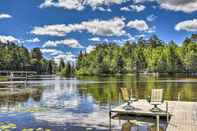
(12, 75)
(183, 114)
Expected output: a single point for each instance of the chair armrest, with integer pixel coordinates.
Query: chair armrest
(148, 98)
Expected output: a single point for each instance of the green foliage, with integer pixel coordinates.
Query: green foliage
(151, 55)
(14, 57)
(61, 65)
(68, 70)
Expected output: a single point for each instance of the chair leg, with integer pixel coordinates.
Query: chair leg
(155, 108)
(128, 103)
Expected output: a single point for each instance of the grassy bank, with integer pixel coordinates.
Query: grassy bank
(4, 78)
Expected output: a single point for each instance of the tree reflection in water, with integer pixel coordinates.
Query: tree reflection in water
(138, 126)
(59, 103)
(10, 98)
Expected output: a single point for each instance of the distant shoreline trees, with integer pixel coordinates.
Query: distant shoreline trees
(18, 58)
(143, 56)
(151, 56)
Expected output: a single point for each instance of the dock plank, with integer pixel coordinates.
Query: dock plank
(184, 117)
(184, 114)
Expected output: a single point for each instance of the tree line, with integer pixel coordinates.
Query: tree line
(150, 56)
(18, 58)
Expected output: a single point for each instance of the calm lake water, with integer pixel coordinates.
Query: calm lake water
(83, 103)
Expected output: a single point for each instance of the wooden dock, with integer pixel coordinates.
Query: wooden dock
(183, 114)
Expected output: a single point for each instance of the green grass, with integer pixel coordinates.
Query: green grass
(3, 78)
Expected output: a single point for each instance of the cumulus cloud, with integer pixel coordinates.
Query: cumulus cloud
(90, 48)
(95, 3)
(52, 52)
(67, 57)
(103, 9)
(142, 1)
(68, 42)
(56, 55)
(151, 29)
(53, 30)
(78, 4)
(137, 8)
(5, 16)
(139, 25)
(187, 6)
(188, 25)
(34, 40)
(95, 39)
(66, 4)
(6, 39)
(151, 18)
(112, 27)
(125, 9)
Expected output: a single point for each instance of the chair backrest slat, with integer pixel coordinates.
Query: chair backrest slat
(125, 94)
(157, 95)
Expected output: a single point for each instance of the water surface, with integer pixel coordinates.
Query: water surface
(83, 103)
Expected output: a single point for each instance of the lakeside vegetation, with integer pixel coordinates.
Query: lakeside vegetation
(18, 58)
(4, 78)
(144, 56)
(150, 56)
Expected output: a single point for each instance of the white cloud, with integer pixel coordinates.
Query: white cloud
(151, 30)
(66, 4)
(5, 16)
(112, 27)
(34, 40)
(6, 39)
(95, 3)
(137, 8)
(67, 57)
(125, 9)
(142, 1)
(130, 37)
(95, 39)
(139, 25)
(52, 52)
(90, 48)
(57, 52)
(187, 6)
(68, 42)
(103, 9)
(79, 4)
(151, 18)
(52, 30)
(188, 25)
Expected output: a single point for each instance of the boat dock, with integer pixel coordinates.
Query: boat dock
(180, 116)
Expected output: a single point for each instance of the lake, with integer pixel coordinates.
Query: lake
(83, 103)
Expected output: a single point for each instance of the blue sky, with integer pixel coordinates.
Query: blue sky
(61, 28)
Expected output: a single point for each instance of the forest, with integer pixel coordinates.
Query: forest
(18, 58)
(144, 56)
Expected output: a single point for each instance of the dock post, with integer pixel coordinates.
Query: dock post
(110, 120)
(157, 122)
(110, 108)
(167, 112)
(26, 79)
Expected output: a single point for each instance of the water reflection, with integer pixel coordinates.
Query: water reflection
(13, 97)
(83, 103)
(132, 126)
